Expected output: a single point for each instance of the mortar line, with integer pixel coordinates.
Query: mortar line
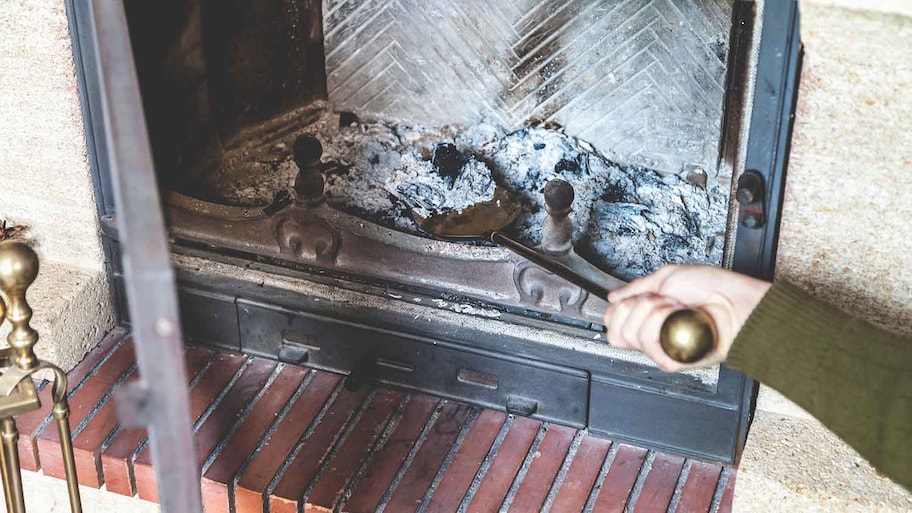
(403, 468)
(562, 471)
(641, 480)
(78, 386)
(299, 445)
(221, 395)
(376, 447)
(117, 430)
(337, 444)
(727, 473)
(270, 430)
(679, 486)
(448, 460)
(104, 400)
(196, 380)
(600, 477)
(245, 413)
(524, 467)
(486, 464)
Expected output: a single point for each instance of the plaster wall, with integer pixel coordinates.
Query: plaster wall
(45, 180)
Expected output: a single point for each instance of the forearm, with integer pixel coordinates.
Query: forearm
(855, 378)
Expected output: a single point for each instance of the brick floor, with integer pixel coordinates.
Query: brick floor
(281, 438)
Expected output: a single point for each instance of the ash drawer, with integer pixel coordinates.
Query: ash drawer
(442, 367)
(652, 418)
(213, 315)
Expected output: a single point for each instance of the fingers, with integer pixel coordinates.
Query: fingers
(625, 318)
(636, 323)
(650, 284)
(615, 319)
(644, 307)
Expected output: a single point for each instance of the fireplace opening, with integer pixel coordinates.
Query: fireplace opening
(628, 220)
(230, 89)
(309, 257)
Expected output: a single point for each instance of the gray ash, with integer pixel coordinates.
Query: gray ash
(628, 221)
(451, 183)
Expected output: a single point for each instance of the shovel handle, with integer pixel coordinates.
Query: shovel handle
(550, 265)
(687, 335)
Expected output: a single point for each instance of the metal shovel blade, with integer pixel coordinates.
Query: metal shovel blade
(476, 222)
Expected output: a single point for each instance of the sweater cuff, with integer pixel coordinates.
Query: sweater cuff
(785, 339)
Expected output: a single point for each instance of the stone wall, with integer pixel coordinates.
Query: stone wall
(843, 238)
(45, 180)
(45, 176)
(848, 203)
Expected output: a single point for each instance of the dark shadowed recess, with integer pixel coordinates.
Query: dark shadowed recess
(209, 69)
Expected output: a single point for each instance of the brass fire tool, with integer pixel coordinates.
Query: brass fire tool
(687, 335)
(18, 270)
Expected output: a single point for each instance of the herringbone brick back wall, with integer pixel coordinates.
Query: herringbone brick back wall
(642, 80)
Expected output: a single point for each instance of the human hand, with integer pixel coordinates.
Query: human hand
(637, 310)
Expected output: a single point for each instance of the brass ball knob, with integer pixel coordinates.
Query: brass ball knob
(18, 266)
(18, 270)
(559, 196)
(688, 336)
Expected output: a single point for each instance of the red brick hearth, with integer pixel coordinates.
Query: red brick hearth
(268, 435)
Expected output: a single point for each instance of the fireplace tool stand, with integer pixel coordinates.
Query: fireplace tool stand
(18, 270)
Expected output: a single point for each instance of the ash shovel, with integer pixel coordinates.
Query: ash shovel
(687, 335)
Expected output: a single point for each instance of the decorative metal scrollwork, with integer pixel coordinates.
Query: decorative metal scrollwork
(541, 289)
(306, 236)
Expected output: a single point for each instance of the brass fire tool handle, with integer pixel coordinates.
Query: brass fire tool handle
(18, 270)
(687, 336)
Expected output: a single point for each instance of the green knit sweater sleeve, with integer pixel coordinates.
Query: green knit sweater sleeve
(854, 377)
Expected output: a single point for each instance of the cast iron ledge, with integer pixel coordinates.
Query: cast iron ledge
(323, 322)
(214, 276)
(325, 238)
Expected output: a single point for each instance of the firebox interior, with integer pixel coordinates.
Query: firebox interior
(640, 104)
(627, 106)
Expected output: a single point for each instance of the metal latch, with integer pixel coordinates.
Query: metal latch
(751, 194)
(521, 406)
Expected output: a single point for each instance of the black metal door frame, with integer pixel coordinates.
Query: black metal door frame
(136, 243)
(775, 96)
(125, 182)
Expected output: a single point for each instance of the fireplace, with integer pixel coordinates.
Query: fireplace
(671, 120)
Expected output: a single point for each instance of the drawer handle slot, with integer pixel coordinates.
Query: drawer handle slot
(394, 365)
(478, 378)
(296, 348)
(300, 340)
